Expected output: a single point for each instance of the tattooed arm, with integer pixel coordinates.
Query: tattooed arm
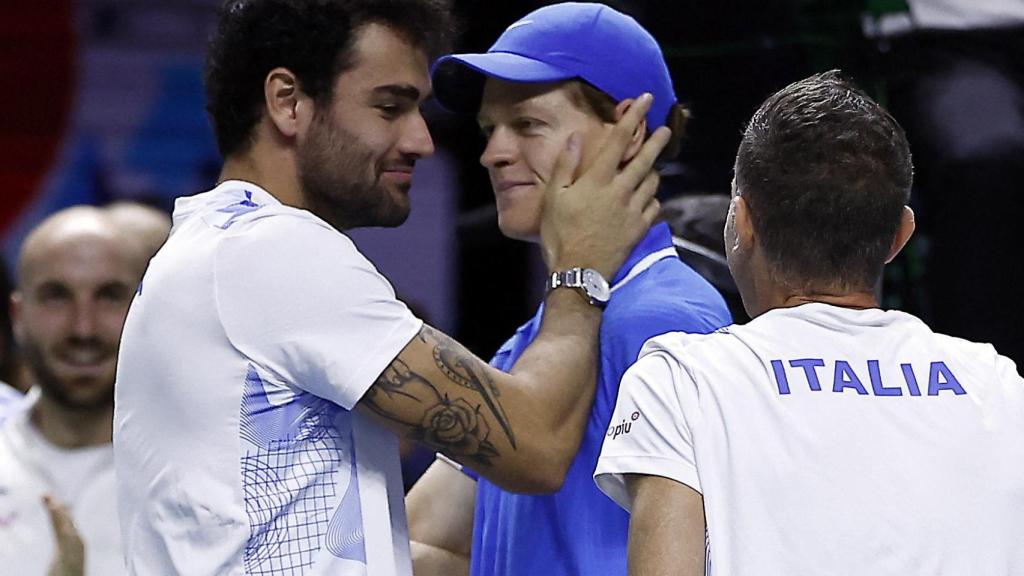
(519, 429)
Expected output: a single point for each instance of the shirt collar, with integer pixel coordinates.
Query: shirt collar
(658, 237)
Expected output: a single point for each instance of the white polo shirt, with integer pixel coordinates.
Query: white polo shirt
(255, 331)
(832, 441)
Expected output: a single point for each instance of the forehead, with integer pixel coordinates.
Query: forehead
(501, 97)
(78, 257)
(383, 57)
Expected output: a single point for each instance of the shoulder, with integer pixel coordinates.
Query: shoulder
(285, 238)
(665, 298)
(980, 358)
(684, 344)
(239, 213)
(693, 352)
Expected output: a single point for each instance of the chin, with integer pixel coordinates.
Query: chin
(516, 231)
(393, 215)
(394, 210)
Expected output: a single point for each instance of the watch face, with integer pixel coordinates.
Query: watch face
(596, 286)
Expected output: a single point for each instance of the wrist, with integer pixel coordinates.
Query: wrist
(587, 282)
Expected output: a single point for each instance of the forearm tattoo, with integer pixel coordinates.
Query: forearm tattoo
(458, 427)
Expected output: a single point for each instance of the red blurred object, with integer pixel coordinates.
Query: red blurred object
(37, 87)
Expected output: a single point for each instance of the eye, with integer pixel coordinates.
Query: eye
(388, 109)
(51, 293)
(486, 130)
(527, 124)
(114, 293)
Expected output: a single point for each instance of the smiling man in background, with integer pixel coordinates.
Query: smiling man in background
(77, 272)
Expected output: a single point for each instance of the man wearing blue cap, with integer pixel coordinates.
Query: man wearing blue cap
(563, 71)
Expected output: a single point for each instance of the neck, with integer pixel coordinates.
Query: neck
(73, 428)
(855, 300)
(270, 168)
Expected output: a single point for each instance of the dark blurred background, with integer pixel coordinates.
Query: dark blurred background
(102, 100)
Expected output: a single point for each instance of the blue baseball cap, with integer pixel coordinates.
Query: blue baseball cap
(574, 40)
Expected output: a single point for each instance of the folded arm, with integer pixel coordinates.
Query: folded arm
(441, 507)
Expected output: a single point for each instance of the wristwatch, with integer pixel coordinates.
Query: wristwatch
(587, 280)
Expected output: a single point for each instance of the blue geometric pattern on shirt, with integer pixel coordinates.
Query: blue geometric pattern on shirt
(238, 209)
(295, 458)
(342, 540)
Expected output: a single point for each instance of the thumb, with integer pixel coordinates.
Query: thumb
(566, 164)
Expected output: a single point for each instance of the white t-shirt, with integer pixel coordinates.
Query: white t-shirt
(82, 479)
(11, 401)
(255, 331)
(832, 441)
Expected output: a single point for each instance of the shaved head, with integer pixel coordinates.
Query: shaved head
(65, 228)
(77, 272)
(148, 227)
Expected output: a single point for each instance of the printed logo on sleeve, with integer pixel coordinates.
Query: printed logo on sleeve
(622, 428)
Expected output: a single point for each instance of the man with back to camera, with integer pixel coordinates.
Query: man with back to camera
(562, 69)
(77, 271)
(826, 436)
(259, 328)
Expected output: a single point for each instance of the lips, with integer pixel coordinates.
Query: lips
(83, 356)
(398, 174)
(506, 185)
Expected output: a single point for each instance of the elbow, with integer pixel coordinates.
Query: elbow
(551, 481)
(542, 473)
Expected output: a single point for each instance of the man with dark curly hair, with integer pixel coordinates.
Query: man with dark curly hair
(266, 365)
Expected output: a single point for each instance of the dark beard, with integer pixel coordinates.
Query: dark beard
(58, 390)
(333, 167)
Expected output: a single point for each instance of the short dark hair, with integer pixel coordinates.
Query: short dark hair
(826, 172)
(312, 38)
(588, 97)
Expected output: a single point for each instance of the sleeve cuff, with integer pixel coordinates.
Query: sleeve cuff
(610, 472)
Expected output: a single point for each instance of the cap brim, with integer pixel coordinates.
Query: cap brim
(458, 79)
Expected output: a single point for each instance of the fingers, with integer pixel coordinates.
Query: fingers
(610, 156)
(638, 168)
(645, 192)
(566, 164)
(59, 517)
(70, 550)
(651, 211)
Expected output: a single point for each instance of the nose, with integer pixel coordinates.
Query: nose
(500, 150)
(416, 140)
(84, 321)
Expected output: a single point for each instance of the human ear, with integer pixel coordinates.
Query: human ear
(636, 141)
(14, 306)
(287, 106)
(742, 225)
(903, 233)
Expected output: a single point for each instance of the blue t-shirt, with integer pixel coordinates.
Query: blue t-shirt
(579, 530)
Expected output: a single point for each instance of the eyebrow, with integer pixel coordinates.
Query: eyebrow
(519, 108)
(399, 91)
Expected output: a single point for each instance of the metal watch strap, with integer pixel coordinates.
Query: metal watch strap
(572, 278)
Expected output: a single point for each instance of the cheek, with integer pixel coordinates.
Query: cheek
(112, 319)
(540, 158)
(39, 323)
